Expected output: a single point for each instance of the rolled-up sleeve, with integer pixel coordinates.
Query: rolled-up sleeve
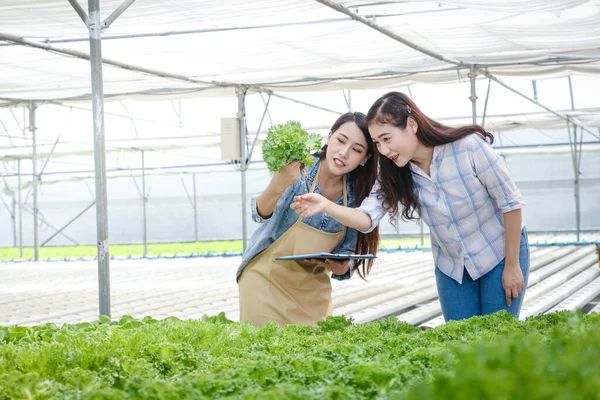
(348, 273)
(282, 203)
(373, 206)
(493, 173)
(256, 217)
(347, 246)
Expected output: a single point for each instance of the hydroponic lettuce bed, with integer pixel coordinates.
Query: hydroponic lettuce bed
(553, 356)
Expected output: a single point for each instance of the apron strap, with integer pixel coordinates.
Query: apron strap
(312, 189)
(344, 180)
(314, 182)
(344, 191)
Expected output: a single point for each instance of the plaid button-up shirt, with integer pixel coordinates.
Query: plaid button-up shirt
(462, 202)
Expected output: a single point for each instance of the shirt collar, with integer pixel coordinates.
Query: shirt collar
(438, 152)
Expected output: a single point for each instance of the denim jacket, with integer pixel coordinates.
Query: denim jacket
(283, 218)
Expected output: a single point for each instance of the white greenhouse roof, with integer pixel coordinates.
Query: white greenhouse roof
(207, 47)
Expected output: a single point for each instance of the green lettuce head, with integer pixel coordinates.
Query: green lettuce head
(288, 142)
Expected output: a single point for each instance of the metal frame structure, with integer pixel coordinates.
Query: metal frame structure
(97, 26)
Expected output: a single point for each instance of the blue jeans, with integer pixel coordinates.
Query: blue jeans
(484, 295)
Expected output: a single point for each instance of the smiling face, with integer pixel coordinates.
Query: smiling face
(398, 144)
(346, 149)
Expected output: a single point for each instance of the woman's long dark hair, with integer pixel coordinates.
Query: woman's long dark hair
(364, 178)
(397, 184)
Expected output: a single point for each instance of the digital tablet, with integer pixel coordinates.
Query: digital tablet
(327, 255)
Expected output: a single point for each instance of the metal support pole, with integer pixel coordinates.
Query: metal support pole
(95, 29)
(20, 208)
(348, 99)
(244, 227)
(240, 92)
(577, 188)
(34, 177)
(422, 234)
(180, 114)
(14, 220)
(249, 155)
(195, 208)
(576, 156)
(370, 22)
(9, 209)
(77, 7)
(473, 76)
(115, 14)
(487, 97)
(144, 201)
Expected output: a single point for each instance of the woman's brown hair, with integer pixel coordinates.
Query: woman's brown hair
(397, 183)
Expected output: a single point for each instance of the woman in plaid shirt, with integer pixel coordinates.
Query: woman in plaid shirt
(460, 187)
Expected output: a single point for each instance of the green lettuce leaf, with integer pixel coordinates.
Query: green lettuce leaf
(288, 142)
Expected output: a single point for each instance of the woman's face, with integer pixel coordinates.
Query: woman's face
(397, 144)
(347, 148)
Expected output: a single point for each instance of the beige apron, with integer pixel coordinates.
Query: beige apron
(289, 292)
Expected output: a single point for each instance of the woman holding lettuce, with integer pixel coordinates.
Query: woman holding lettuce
(299, 292)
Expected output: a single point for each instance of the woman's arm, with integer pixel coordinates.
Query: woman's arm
(494, 175)
(512, 277)
(267, 200)
(311, 204)
(512, 232)
(364, 218)
(342, 269)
